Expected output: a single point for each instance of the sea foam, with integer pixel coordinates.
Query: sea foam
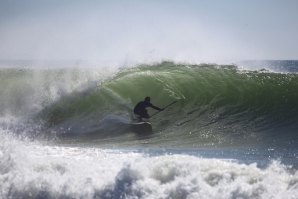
(33, 170)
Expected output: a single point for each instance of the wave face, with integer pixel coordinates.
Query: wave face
(216, 105)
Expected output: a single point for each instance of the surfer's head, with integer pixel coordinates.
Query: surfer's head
(147, 99)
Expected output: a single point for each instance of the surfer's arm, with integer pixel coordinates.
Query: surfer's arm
(156, 108)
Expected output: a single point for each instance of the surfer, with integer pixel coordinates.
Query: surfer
(141, 111)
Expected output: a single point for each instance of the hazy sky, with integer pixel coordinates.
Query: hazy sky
(148, 30)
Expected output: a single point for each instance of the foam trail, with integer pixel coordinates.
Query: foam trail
(30, 170)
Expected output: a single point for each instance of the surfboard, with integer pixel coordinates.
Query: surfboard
(141, 127)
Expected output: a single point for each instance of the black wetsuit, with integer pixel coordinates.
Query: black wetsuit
(140, 109)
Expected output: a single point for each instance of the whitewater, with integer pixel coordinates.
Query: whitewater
(232, 133)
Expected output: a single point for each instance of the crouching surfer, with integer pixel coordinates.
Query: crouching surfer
(141, 111)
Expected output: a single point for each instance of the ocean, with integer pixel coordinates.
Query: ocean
(232, 133)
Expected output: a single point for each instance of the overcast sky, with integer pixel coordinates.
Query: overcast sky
(148, 30)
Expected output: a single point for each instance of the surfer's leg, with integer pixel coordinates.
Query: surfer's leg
(142, 114)
(145, 116)
(138, 117)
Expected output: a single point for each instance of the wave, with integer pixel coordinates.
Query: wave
(215, 104)
(37, 171)
(88, 111)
